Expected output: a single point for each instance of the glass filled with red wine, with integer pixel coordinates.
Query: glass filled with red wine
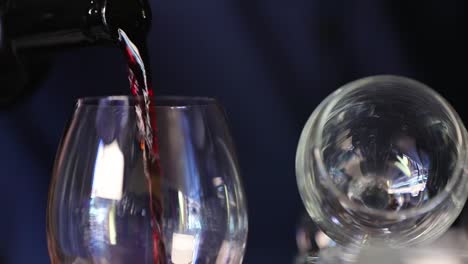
(122, 195)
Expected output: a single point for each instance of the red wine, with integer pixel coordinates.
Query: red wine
(140, 85)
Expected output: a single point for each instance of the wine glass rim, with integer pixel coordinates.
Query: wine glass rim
(158, 102)
(321, 117)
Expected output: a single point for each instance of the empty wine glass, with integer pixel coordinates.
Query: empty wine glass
(383, 160)
(102, 207)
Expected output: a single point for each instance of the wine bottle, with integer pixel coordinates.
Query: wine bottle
(31, 31)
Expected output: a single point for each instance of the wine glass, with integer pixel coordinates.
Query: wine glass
(105, 208)
(382, 160)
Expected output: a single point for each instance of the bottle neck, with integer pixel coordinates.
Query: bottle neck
(30, 24)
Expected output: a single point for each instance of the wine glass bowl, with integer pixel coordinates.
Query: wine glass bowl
(108, 205)
(382, 160)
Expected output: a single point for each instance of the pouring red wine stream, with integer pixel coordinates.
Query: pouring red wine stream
(140, 84)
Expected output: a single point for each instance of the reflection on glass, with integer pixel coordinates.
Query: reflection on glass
(183, 247)
(108, 172)
(99, 204)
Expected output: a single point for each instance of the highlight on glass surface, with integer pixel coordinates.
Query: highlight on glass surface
(104, 208)
(383, 160)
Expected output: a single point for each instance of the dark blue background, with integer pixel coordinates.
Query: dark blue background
(269, 62)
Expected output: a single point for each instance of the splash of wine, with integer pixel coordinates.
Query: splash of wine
(140, 85)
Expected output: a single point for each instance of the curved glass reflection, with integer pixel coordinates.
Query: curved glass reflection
(383, 160)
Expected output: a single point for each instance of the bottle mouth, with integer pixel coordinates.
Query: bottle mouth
(158, 102)
(313, 135)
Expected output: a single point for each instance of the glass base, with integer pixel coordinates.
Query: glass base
(451, 248)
